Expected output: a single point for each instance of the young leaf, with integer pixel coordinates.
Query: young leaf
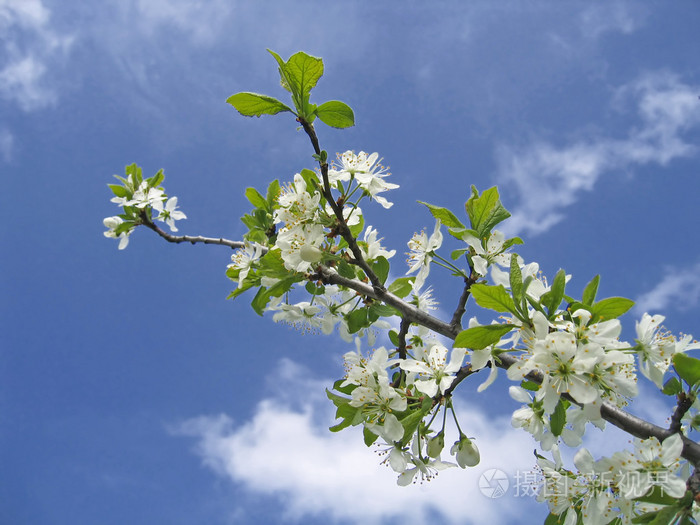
(336, 114)
(273, 191)
(445, 216)
(381, 267)
(590, 291)
(255, 198)
(672, 387)
(558, 418)
(478, 337)
(485, 211)
(401, 287)
(305, 70)
(255, 105)
(369, 436)
(516, 280)
(118, 190)
(493, 297)
(687, 367)
(552, 299)
(357, 320)
(611, 308)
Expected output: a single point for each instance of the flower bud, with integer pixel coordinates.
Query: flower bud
(310, 253)
(467, 454)
(435, 445)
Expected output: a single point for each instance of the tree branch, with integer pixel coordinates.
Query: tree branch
(338, 211)
(177, 239)
(631, 424)
(456, 322)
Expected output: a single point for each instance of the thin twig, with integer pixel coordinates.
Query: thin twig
(684, 404)
(456, 322)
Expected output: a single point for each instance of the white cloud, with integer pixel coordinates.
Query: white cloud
(288, 454)
(548, 178)
(678, 289)
(619, 17)
(30, 47)
(201, 21)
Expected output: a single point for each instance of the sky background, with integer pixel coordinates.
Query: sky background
(132, 392)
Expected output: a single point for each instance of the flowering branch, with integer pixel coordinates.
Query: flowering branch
(571, 367)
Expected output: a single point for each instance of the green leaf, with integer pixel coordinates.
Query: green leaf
(272, 265)
(558, 418)
(357, 320)
(247, 285)
(516, 280)
(485, 211)
(299, 75)
(305, 69)
(664, 516)
(553, 519)
(611, 308)
(337, 400)
(255, 198)
(478, 337)
(265, 294)
(315, 290)
(657, 496)
(369, 436)
(552, 299)
(255, 105)
(530, 385)
(377, 310)
(118, 190)
(311, 179)
(445, 216)
(493, 297)
(346, 270)
(456, 254)
(687, 367)
(394, 337)
(155, 181)
(672, 387)
(590, 291)
(336, 114)
(273, 191)
(345, 423)
(381, 267)
(401, 287)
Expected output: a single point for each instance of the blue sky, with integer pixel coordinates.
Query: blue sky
(131, 391)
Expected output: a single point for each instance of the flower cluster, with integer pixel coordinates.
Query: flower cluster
(393, 410)
(139, 199)
(604, 490)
